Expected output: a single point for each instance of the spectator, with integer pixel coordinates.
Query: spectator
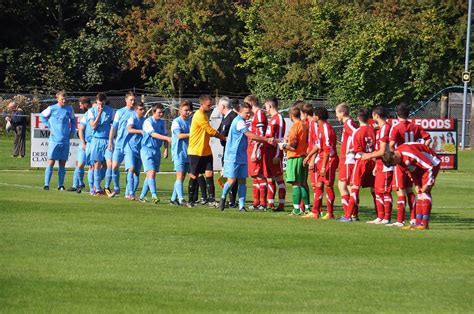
(18, 122)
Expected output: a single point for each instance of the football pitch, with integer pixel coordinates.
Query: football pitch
(69, 252)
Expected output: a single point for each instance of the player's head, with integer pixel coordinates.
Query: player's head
(271, 104)
(157, 111)
(295, 113)
(253, 101)
(61, 97)
(379, 113)
(342, 111)
(84, 103)
(363, 115)
(391, 158)
(130, 99)
(205, 103)
(224, 105)
(139, 108)
(321, 113)
(306, 111)
(245, 109)
(100, 99)
(403, 110)
(185, 108)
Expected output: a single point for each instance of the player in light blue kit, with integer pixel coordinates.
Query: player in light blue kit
(81, 156)
(180, 128)
(235, 156)
(133, 162)
(119, 128)
(100, 118)
(86, 137)
(60, 120)
(154, 133)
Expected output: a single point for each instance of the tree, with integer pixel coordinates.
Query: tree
(180, 44)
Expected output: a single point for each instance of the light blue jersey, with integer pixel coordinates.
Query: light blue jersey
(61, 122)
(236, 146)
(179, 147)
(88, 131)
(120, 124)
(103, 127)
(133, 141)
(151, 126)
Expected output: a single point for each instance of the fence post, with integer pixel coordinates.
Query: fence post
(444, 107)
(471, 124)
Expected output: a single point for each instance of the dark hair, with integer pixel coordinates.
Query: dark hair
(235, 103)
(245, 105)
(138, 104)
(252, 99)
(295, 112)
(321, 112)
(101, 97)
(273, 101)
(299, 104)
(186, 103)
(84, 100)
(403, 110)
(156, 107)
(344, 108)
(204, 98)
(380, 111)
(308, 109)
(363, 115)
(388, 158)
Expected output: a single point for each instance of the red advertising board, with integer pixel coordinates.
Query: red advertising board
(443, 139)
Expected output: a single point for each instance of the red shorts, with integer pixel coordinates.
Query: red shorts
(255, 167)
(401, 180)
(383, 180)
(362, 175)
(345, 170)
(422, 177)
(271, 169)
(331, 167)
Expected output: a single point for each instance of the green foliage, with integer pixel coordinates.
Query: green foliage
(178, 44)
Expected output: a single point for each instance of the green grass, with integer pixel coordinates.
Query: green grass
(67, 252)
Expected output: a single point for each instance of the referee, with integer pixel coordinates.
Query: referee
(199, 151)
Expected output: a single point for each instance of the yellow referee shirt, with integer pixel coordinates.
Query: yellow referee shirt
(199, 136)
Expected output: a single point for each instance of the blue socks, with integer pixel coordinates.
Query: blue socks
(108, 178)
(242, 192)
(90, 179)
(75, 178)
(61, 175)
(178, 191)
(144, 189)
(225, 190)
(80, 177)
(136, 181)
(130, 190)
(48, 173)
(152, 186)
(116, 179)
(97, 179)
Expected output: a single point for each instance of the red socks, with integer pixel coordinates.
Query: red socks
(387, 204)
(379, 205)
(353, 201)
(318, 200)
(400, 208)
(256, 191)
(271, 192)
(330, 200)
(345, 201)
(263, 192)
(281, 193)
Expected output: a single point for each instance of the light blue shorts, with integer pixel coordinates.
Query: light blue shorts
(99, 149)
(151, 159)
(108, 153)
(235, 171)
(182, 166)
(57, 151)
(81, 155)
(133, 160)
(118, 155)
(89, 160)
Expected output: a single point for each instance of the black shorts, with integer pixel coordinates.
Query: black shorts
(200, 164)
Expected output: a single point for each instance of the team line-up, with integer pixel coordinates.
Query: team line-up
(373, 155)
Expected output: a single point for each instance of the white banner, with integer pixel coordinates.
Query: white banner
(39, 143)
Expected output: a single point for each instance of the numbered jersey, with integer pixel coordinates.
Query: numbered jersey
(364, 140)
(406, 132)
(418, 155)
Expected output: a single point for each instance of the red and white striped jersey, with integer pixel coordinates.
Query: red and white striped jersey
(346, 139)
(406, 132)
(364, 140)
(258, 123)
(276, 129)
(327, 140)
(382, 135)
(419, 155)
(312, 135)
